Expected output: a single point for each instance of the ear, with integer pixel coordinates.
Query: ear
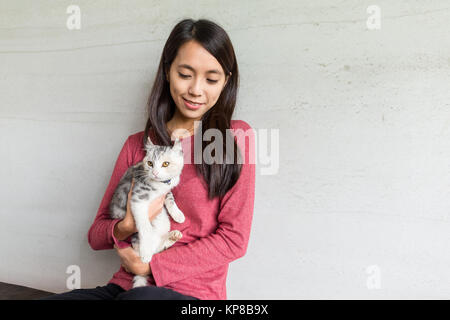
(177, 146)
(166, 73)
(227, 77)
(149, 142)
(177, 143)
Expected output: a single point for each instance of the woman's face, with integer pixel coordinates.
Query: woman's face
(196, 80)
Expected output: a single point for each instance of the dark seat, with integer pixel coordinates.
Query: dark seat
(14, 292)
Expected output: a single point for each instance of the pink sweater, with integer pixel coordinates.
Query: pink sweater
(215, 231)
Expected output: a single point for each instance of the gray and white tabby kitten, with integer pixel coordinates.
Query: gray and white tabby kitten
(155, 175)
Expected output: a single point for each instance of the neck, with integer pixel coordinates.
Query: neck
(179, 123)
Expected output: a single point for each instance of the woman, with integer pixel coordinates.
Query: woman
(195, 90)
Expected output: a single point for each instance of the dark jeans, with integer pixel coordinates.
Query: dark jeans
(114, 292)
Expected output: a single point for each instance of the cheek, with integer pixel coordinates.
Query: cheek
(213, 95)
(174, 90)
(177, 88)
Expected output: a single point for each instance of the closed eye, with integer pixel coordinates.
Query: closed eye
(184, 76)
(187, 76)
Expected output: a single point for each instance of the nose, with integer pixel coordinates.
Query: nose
(195, 89)
(155, 173)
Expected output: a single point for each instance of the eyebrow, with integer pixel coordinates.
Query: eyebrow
(192, 69)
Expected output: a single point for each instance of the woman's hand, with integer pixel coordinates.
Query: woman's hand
(127, 226)
(132, 263)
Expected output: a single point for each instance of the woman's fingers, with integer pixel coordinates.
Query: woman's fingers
(129, 196)
(160, 200)
(131, 188)
(155, 206)
(120, 253)
(126, 269)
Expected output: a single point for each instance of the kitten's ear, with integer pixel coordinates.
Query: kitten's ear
(177, 146)
(149, 142)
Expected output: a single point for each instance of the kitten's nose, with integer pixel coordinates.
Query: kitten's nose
(155, 173)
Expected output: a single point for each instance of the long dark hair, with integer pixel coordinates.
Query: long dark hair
(220, 177)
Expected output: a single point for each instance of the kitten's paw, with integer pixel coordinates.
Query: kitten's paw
(146, 258)
(146, 255)
(178, 216)
(139, 281)
(175, 235)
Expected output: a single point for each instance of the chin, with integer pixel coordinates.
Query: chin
(187, 113)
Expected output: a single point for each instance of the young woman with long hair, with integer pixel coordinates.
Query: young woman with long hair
(195, 90)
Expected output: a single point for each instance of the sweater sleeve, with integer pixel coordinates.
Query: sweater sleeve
(230, 240)
(100, 235)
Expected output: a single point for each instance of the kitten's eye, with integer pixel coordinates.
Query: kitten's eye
(150, 163)
(165, 164)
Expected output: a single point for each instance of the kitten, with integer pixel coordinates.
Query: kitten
(155, 175)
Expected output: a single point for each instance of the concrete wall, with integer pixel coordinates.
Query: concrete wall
(359, 207)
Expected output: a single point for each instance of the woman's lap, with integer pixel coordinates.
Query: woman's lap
(108, 292)
(114, 292)
(152, 293)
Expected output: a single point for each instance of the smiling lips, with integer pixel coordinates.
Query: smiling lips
(191, 104)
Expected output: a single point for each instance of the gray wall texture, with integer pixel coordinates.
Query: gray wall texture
(359, 207)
